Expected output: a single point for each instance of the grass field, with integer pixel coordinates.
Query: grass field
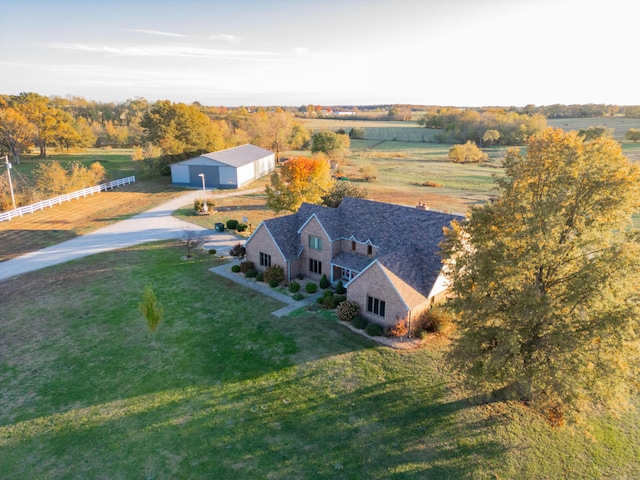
(228, 391)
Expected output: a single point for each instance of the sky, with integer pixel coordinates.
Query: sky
(327, 52)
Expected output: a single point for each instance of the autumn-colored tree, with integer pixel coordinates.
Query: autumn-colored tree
(633, 134)
(546, 278)
(16, 132)
(469, 152)
(491, 136)
(300, 179)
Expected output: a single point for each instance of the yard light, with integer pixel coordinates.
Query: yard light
(6, 162)
(204, 194)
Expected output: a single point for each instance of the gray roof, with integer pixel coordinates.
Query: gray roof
(407, 238)
(238, 156)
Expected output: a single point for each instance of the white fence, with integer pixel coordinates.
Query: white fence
(18, 212)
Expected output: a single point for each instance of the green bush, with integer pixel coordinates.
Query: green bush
(339, 299)
(251, 273)
(374, 330)
(235, 268)
(340, 290)
(260, 277)
(360, 322)
(241, 227)
(324, 282)
(348, 311)
(311, 287)
(273, 283)
(232, 224)
(212, 251)
(298, 296)
(246, 265)
(294, 287)
(274, 272)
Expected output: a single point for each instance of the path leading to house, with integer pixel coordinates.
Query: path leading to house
(152, 225)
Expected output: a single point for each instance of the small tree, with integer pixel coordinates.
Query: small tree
(491, 136)
(238, 251)
(192, 239)
(633, 134)
(151, 309)
(469, 152)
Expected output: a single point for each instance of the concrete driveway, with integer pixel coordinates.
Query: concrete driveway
(152, 225)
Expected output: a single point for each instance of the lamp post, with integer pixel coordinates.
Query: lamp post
(204, 194)
(6, 162)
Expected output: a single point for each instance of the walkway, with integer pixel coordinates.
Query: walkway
(292, 305)
(152, 225)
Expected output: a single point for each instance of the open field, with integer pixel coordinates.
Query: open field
(228, 391)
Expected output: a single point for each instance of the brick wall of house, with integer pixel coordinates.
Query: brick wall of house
(314, 228)
(373, 282)
(261, 241)
(361, 248)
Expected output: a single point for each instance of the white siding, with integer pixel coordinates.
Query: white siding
(441, 284)
(245, 174)
(180, 174)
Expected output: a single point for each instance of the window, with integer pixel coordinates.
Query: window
(315, 266)
(369, 249)
(375, 306)
(265, 259)
(353, 245)
(315, 242)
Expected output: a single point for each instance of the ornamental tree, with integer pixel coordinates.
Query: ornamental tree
(546, 278)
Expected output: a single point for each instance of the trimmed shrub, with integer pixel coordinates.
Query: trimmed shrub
(339, 299)
(260, 277)
(324, 282)
(348, 311)
(274, 273)
(374, 330)
(360, 323)
(232, 224)
(235, 268)
(212, 251)
(251, 273)
(435, 320)
(198, 205)
(294, 287)
(340, 290)
(273, 283)
(311, 287)
(298, 296)
(241, 227)
(246, 265)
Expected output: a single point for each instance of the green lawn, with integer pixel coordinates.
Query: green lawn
(229, 391)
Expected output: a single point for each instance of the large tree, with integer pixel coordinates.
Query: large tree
(341, 189)
(16, 133)
(300, 179)
(330, 143)
(547, 277)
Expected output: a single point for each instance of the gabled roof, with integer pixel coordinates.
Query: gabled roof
(234, 157)
(407, 238)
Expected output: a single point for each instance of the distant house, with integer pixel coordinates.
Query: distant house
(231, 168)
(386, 255)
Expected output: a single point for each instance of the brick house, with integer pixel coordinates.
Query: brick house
(386, 255)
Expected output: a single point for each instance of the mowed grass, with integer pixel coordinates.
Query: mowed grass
(228, 391)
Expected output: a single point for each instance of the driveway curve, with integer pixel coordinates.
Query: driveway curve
(152, 225)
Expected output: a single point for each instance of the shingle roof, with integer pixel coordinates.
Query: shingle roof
(239, 156)
(407, 238)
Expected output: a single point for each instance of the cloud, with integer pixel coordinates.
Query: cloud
(157, 32)
(225, 37)
(301, 51)
(190, 51)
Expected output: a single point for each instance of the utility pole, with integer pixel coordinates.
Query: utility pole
(8, 165)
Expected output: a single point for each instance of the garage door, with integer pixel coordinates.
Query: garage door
(211, 176)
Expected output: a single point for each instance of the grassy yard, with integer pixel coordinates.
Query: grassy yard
(228, 391)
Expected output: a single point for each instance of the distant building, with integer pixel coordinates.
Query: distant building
(231, 168)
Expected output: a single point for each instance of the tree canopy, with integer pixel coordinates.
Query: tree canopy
(300, 179)
(546, 278)
(330, 143)
(469, 152)
(341, 189)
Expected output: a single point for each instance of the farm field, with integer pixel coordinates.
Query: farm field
(228, 391)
